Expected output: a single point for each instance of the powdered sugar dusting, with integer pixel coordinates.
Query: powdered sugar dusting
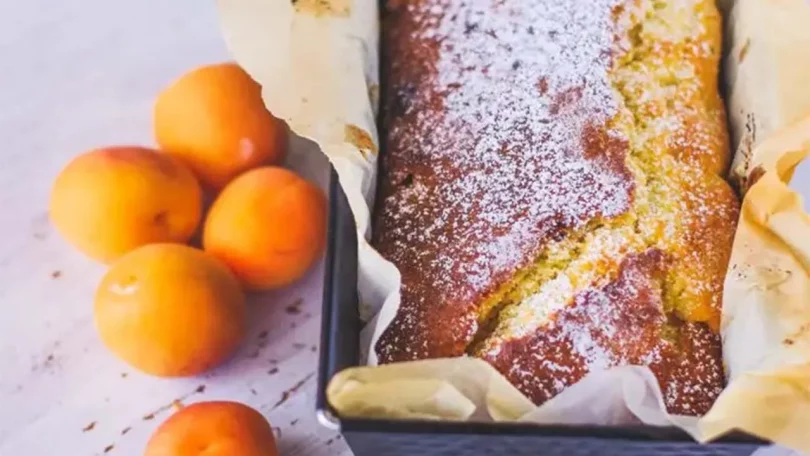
(621, 323)
(501, 147)
(597, 322)
(593, 332)
(679, 209)
(541, 145)
(603, 251)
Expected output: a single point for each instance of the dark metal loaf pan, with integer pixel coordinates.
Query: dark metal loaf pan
(340, 330)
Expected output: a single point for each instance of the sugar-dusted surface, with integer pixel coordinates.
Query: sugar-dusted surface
(499, 245)
(497, 144)
(623, 322)
(681, 209)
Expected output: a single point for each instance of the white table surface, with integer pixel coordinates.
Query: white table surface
(82, 74)
(77, 75)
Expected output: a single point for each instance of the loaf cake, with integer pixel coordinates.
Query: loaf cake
(551, 191)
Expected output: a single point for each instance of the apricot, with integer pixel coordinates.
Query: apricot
(109, 201)
(170, 310)
(214, 429)
(269, 226)
(214, 119)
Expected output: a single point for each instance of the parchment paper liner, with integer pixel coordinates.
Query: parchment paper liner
(318, 63)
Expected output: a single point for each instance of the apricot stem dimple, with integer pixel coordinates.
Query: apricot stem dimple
(161, 218)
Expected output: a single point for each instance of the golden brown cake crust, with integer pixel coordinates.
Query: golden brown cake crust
(488, 159)
(625, 324)
(544, 160)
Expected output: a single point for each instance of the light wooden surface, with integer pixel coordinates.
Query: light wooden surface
(77, 75)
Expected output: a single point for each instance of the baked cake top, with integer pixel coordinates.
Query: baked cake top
(497, 142)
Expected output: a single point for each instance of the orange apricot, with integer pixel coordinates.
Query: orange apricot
(214, 429)
(170, 310)
(269, 226)
(214, 119)
(109, 201)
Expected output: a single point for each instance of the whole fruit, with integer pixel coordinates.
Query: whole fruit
(214, 119)
(268, 226)
(109, 201)
(213, 429)
(170, 310)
